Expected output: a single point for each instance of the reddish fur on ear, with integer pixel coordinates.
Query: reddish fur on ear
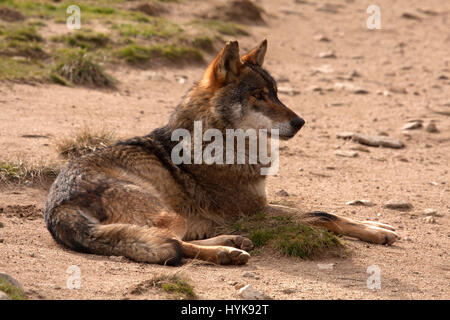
(257, 54)
(224, 68)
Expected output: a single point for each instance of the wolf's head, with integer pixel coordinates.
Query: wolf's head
(244, 95)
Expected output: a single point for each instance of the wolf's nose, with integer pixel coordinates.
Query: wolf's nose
(297, 123)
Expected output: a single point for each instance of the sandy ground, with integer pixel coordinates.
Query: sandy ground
(405, 68)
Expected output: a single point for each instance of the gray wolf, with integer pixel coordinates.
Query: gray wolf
(131, 200)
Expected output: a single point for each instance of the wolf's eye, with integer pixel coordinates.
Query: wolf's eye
(258, 96)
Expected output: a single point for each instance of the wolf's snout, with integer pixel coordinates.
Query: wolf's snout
(297, 123)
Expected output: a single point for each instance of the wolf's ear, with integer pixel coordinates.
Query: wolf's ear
(257, 54)
(225, 68)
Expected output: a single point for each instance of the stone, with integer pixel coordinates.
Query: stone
(378, 141)
(238, 286)
(321, 38)
(345, 135)
(249, 293)
(360, 148)
(430, 220)
(327, 55)
(4, 296)
(412, 125)
(411, 16)
(346, 154)
(350, 87)
(251, 275)
(282, 193)
(362, 202)
(289, 291)
(432, 212)
(431, 127)
(396, 204)
(325, 68)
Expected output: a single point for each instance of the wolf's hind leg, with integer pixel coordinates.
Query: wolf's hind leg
(77, 230)
(234, 241)
(143, 244)
(367, 231)
(215, 254)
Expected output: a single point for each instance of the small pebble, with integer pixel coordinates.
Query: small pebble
(396, 204)
(431, 127)
(363, 202)
(430, 219)
(412, 125)
(346, 154)
(432, 212)
(282, 193)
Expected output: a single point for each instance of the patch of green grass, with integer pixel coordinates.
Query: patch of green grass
(22, 69)
(139, 17)
(27, 33)
(287, 235)
(37, 23)
(153, 28)
(12, 291)
(175, 286)
(51, 9)
(98, 10)
(45, 9)
(22, 41)
(204, 43)
(80, 68)
(30, 50)
(84, 40)
(140, 54)
(225, 28)
(85, 141)
(19, 172)
(134, 53)
(56, 78)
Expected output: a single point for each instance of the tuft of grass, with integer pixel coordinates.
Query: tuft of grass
(37, 23)
(135, 54)
(84, 142)
(84, 40)
(16, 48)
(20, 172)
(175, 286)
(287, 235)
(79, 67)
(204, 43)
(99, 10)
(12, 291)
(225, 28)
(27, 33)
(56, 78)
(21, 69)
(152, 28)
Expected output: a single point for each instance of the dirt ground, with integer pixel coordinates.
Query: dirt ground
(405, 69)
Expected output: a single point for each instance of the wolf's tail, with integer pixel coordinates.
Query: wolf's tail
(73, 228)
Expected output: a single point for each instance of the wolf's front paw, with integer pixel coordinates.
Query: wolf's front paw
(227, 255)
(239, 242)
